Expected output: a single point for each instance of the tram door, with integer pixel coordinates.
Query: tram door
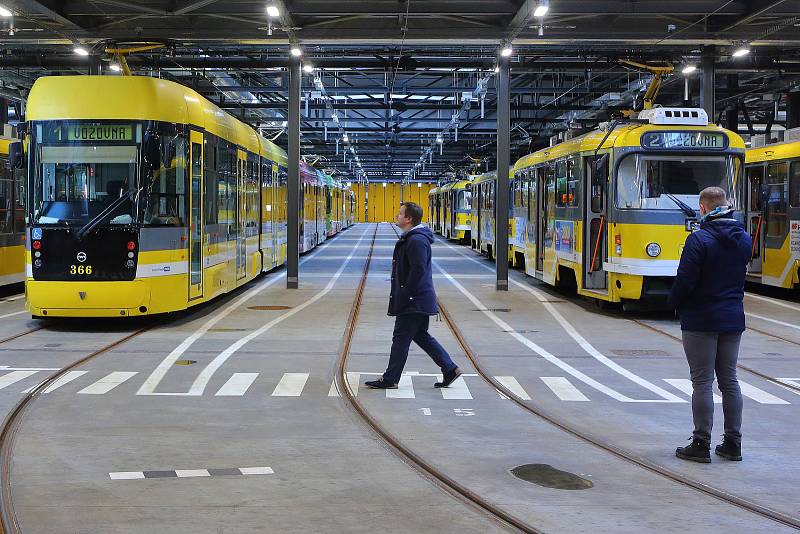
(755, 216)
(241, 215)
(196, 223)
(542, 213)
(595, 222)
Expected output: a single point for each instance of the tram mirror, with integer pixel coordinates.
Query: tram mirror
(16, 155)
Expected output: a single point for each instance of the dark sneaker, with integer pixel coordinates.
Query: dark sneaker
(697, 451)
(448, 378)
(729, 449)
(380, 384)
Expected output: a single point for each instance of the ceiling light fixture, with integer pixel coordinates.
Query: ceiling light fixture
(296, 52)
(541, 9)
(81, 51)
(5, 12)
(273, 11)
(346, 139)
(506, 51)
(115, 67)
(689, 69)
(741, 51)
(308, 69)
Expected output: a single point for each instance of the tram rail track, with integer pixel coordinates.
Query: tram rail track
(21, 334)
(9, 523)
(428, 470)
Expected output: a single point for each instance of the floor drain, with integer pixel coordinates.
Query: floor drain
(269, 308)
(639, 352)
(550, 477)
(52, 345)
(228, 329)
(185, 362)
(500, 310)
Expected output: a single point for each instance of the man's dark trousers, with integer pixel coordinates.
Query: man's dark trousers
(414, 327)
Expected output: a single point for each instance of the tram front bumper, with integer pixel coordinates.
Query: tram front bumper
(87, 299)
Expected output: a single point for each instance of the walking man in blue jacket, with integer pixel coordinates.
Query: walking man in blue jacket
(412, 301)
(708, 294)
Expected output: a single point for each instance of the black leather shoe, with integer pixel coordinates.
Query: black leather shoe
(729, 449)
(448, 378)
(380, 384)
(697, 451)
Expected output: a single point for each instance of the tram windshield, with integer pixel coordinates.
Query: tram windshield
(664, 182)
(464, 201)
(76, 183)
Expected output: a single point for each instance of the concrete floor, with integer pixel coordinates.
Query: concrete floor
(259, 395)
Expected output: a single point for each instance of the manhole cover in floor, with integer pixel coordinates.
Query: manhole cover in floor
(185, 362)
(269, 308)
(501, 310)
(550, 477)
(639, 352)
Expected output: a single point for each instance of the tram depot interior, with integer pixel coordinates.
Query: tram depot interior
(198, 205)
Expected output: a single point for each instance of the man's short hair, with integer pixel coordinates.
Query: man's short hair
(414, 211)
(713, 197)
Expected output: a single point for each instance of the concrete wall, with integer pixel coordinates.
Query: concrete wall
(382, 202)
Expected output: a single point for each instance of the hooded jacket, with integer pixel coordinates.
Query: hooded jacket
(709, 289)
(412, 274)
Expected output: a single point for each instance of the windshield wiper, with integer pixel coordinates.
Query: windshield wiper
(686, 208)
(100, 217)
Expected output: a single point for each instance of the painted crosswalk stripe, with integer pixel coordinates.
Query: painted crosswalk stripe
(793, 381)
(237, 385)
(405, 389)
(256, 470)
(68, 377)
(759, 395)
(511, 383)
(107, 383)
(291, 385)
(353, 380)
(458, 390)
(13, 377)
(191, 473)
(563, 388)
(685, 385)
(126, 475)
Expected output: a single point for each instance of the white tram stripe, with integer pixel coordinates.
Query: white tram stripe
(405, 389)
(291, 385)
(458, 390)
(237, 385)
(759, 395)
(107, 383)
(13, 377)
(563, 389)
(768, 319)
(685, 385)
(511, 383)
(66, 378)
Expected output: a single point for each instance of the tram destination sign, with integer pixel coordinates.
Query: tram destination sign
(99, 132)
(684, 141)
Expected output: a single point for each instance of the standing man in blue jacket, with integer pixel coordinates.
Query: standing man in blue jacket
(413, 300)
(709, 296)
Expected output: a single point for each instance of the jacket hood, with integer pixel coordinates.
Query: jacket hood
(423, 231)
(729, 232)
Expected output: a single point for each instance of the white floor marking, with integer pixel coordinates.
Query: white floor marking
(66, 378)
(685, 385)
(782, 323)
(665, 395)
(291, 385)
(773, 301)
(458, 390)
(511, 383)
(13, 377)
(237, 385)
(563, 389)
(792, 381)
(256, 470)
(107, 383)
(353, 382)
(148, 388)
(12, 314)
(126, 475)
(759, 395)
(405, 389)
(191, 473)
(8, 368)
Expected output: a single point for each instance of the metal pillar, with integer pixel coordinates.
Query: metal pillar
(293, 189)
(793, 109)
(95, 66)
(501, 194)
(707, 95)
(732, 107)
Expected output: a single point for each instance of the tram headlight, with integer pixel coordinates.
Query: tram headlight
(130, 264)
(37, 263)
(653, 250)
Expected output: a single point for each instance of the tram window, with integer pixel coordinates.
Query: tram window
(794, 185)
(166, 191)
(573, 193)
(755, 177)
(776, 188)
(561, 184)
(6, 200)
(210, 181)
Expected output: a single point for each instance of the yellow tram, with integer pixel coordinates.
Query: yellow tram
(773, 212)
(147, 198)
(483, 218)
(12, 220)
(450, 206)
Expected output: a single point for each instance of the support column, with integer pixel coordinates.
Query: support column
(503, 162)
(793, 109)
(293, 189)
(95, 65)
(732, 107)
(707, 95)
